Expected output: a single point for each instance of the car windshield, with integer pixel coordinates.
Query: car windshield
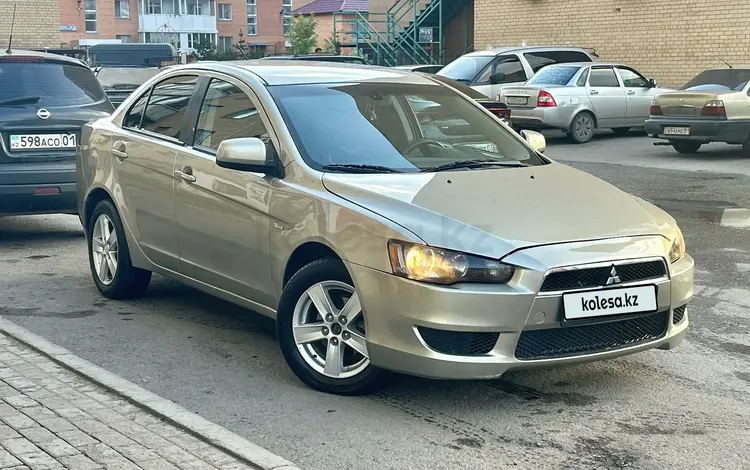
(394, 127)
(718, 80)
(465, 68)
(55, 84)
(555, 75)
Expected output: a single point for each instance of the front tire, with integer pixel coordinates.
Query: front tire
(321, 331)
(686, 146)
(109, 256)
(582, 128)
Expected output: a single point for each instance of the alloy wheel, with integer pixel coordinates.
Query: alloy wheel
(104, 248)
(328, 329)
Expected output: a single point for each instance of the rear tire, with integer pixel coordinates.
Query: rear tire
(686, 146)
(621, 130)
(307, 338)
(582, 128)
(109, 256)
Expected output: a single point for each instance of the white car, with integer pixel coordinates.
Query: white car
(581, 97)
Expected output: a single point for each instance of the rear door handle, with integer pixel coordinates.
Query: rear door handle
(593, 92)
(119, 150)
(631, 92)
(186, 174)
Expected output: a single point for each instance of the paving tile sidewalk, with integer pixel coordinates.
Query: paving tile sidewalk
(53, 418)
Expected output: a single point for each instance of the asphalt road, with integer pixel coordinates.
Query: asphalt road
(688, 408)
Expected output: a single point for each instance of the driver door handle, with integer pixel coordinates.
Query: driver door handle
(119, 151)
(593, 92)
(631, 92)
(186, 174)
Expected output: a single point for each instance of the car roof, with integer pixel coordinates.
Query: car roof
(587, 64)
(295, 72)
(502, 50)
(43, 55)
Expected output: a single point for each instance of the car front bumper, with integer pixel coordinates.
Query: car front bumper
(483, 331)
(702, 130)
(558, 117)
(43, 188)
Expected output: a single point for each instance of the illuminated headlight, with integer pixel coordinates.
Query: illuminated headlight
(677, 247)
(430, 264)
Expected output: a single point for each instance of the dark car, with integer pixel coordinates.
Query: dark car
(347, 59)
(497, 108)
(45, 99)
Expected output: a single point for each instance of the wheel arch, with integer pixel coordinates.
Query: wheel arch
(94, 197)
(304, 254)
(584, 109)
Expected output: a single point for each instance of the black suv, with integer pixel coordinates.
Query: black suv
(320, 57)
(45, 99)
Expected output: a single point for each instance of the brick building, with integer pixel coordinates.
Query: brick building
(670, 41)
(36, 23)
(185, 23)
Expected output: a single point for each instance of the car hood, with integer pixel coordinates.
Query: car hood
(494, 212)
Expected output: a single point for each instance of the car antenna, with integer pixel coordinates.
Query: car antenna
(726, 63)
(12, 23)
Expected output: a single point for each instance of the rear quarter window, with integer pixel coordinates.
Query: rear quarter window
(56, 84)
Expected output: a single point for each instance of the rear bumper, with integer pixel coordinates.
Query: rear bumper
(19, 184)
(543, 118)
(702, 130)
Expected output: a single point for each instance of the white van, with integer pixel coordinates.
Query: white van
(490, 70)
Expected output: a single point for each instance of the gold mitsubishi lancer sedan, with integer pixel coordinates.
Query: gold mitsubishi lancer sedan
(386, 221)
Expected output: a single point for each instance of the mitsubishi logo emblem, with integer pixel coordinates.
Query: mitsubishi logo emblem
(613, 278)
(43, 114)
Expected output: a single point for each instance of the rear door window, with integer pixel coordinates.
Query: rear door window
(54, 83)
(604, 77)
(168, 104)
(508, 65)
(538, 60)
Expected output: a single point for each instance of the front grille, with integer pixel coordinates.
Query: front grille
(458, 343)
(589, 339)
(678, 314)
(585, 278)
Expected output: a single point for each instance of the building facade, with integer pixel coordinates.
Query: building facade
(262, 24)
(668, 41)
(36, 23)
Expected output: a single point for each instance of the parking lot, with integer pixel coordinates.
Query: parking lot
(688, 408)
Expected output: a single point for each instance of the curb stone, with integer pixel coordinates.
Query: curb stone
(211, 433)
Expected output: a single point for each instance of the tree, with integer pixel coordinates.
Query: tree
(206, 50)
(303, 35)
(332, 45)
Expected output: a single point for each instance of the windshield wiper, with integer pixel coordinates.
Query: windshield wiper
(21, 100)
(359, 168)
(471, 164)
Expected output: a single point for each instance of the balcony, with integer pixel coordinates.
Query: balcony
(178, 23)
(192, 16)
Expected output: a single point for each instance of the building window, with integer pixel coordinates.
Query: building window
(194, 39)
(153, 7)
(225, 11)
(124, 37)
(91, 23)
(122, 9)
(252, 17)
(286, 11)
(162, 38)
(226, 44)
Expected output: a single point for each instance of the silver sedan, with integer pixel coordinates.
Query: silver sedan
(580, 97)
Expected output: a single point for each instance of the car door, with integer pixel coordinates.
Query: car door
(607, 96)
(504, 70)
(145, 151)
(221, 214)
(638, 94)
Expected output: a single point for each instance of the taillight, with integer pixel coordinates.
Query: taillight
(500, 112)
(545, 100)
(714, 108)
(655, 110)
(21, 58)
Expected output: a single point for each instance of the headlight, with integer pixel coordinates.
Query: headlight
(677, 247)
(430, 264)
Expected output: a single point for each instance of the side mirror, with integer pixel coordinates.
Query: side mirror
(244, 154)
(652, 83)
(535, 140)
(497, 78)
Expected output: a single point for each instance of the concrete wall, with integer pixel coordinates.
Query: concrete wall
(669, 41)
(37, 24)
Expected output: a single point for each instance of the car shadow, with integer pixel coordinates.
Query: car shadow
(36, 229)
